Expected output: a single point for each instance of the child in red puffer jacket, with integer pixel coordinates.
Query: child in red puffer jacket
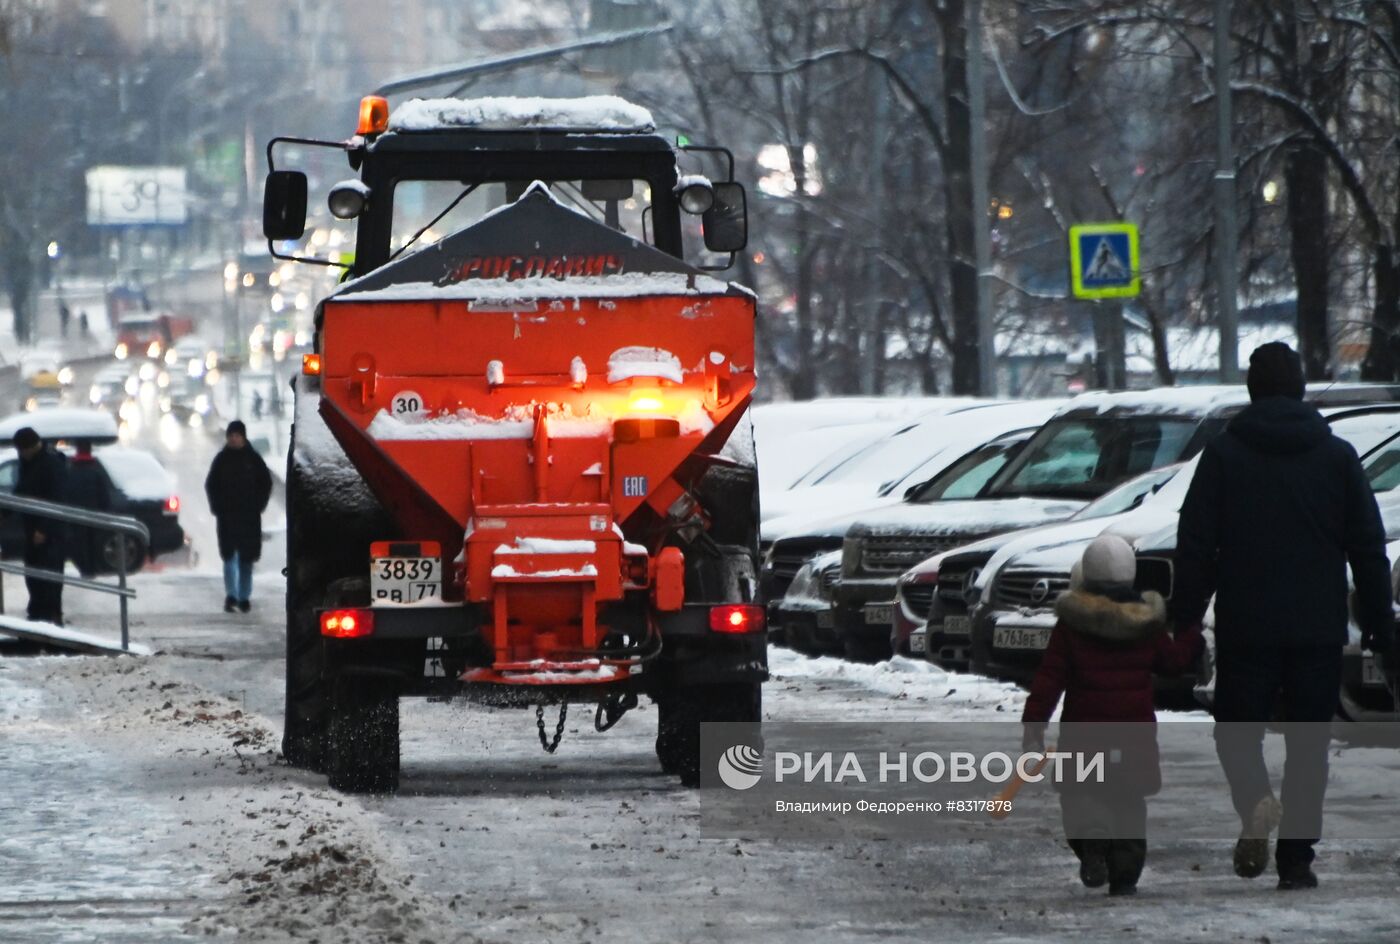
(1103, 652)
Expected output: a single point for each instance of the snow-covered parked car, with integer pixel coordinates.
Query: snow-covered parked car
(794, 437)
(878, 472)
(140, 486)
(804, 619)
(1093, 444)
(964, 476)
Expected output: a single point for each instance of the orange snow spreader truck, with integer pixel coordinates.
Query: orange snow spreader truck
(521, 470)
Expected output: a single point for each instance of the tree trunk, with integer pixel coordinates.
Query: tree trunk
(1305, 175)
(928, 376)
(957, 188)
(804, 385)
(1381, 361)
(1161, 355)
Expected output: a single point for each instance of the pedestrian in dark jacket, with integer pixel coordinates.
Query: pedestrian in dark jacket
(87, 486)
(238, 487)
(41, 475)
(1106, 645)
(1278, 508)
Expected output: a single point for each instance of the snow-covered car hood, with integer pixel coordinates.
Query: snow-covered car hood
(950, 517)
(787, 512)
(973, 517)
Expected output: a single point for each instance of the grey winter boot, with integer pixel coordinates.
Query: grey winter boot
(1252, 848)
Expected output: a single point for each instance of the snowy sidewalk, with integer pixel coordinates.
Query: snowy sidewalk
(139, 808)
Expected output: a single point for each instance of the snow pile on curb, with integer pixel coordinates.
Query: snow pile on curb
(263, 852)
(955, 694)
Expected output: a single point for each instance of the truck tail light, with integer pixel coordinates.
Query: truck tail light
(172, 505)
(737, 618)
(347, 624)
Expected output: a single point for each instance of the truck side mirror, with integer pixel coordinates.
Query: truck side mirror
(284, 205)
(726, 224)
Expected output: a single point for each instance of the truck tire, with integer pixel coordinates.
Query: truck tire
(725, 574)
(363, 735)
(329, 527)
(667, 739)
(678, 734)
(306, 705)
(307, 698)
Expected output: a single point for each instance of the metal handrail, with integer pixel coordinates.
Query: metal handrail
(97, 520)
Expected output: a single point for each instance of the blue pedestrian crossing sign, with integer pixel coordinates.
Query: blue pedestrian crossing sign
(1103, 260)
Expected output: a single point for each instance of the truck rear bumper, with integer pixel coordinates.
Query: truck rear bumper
(690, 653)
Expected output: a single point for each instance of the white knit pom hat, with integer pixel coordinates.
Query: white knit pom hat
(1109, 561)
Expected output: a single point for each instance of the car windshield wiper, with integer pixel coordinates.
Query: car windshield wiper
(434, 221)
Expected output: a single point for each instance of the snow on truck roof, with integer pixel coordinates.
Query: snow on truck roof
(590, 113)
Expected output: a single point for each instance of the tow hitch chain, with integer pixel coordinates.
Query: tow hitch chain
(611, 710)
(550, 746)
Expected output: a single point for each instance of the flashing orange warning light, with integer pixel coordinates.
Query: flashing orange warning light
(374, 115)
(311, 365)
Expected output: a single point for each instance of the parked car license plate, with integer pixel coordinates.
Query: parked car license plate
(957, 625)
(1371, 673)
(879, 615)
(1019, 637)
(918, 642)
(405, 579)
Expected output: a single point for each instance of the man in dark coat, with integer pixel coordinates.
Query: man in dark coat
(1277, 510)
(41, 475)
(87, 486)
(238, 487)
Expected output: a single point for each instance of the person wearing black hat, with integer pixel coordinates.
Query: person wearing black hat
(239, 486)
(1277, 510)
(41, 475)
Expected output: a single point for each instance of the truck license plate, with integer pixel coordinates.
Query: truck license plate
(879, 615)
(1017, 637)
(918, 643)
(959, 626)
(405, 579)
(1371, 672)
